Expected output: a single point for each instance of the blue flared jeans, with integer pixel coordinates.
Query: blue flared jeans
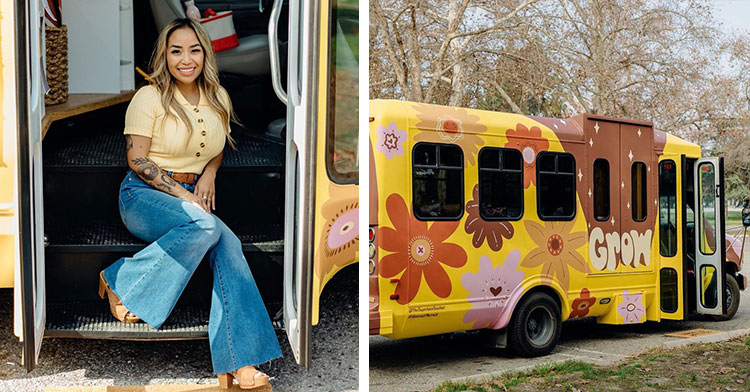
(180, 234)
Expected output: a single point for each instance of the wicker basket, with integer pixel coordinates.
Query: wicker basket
(57, 64)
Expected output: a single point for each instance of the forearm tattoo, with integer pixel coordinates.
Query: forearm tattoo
(128, 143)
(156, 177)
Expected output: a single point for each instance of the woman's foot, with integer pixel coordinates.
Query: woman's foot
(248, 377)
(115, 305)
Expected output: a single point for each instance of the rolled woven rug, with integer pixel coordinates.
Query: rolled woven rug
(57, 64)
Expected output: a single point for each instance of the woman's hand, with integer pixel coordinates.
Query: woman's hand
(193, 199)
(205, 190)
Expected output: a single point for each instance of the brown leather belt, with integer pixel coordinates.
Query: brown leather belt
(185, 178)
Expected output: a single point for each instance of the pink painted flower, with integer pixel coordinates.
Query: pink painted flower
(631, 309)
(493, 291)
(390, 140)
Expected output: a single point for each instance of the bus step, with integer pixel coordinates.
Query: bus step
(114, 237)
(94, 320)
(104, 149)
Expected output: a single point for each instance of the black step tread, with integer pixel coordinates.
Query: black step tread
(106, 149)
(99, 236)
(94, 320)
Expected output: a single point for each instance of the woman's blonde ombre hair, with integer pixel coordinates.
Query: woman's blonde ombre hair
(207, 80)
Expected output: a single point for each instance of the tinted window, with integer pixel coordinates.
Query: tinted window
(639, 206)
(601, 189)
(556, 186)
(343, 94)
(500, 184)
(667, 208)
(438, 181)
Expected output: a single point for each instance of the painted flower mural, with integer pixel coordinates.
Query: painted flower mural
(493, 291)
(556, 251)
(582, 304)
(338, 244)
(530, 143)
(390, 140)
(450, 125)
(631, 309)
(490, 231)
(418, 250)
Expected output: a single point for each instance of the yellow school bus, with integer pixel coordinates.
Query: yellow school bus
(290, 195)
(513, 224)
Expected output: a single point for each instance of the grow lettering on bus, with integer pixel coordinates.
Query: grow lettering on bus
(633, 248)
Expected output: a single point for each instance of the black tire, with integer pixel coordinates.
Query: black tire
(534, 328)
(732, 296)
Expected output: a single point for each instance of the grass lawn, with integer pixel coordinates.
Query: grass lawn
(704, 367)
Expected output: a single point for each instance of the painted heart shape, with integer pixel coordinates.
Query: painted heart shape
(496, 290)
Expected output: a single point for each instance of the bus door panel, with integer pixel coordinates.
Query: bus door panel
(603, 195)
(670, 238)
(709, 230)
(638, 202)
(302, 99)
(30, 296)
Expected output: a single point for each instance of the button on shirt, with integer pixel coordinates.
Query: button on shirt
(145, 117)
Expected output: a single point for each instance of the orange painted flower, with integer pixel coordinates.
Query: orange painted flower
(417, 250)
(556, 252)
(492, 231)
(582, 304)
(450, 125)
(530, 143)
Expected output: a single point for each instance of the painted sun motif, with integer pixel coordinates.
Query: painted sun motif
(418, 250)
(631, 309)
(450, 125)
(556, 251)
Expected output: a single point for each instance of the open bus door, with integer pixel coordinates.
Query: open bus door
(301, 99)
(29, 295)
(709, 234)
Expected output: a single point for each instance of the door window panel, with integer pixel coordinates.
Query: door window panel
(707, 211)
(667, 208)
(342, 159)
(668, 280)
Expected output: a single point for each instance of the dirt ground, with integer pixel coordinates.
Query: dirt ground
(721, 366)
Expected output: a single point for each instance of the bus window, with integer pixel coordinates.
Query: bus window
(706, 219)
(438, 176)
(500, 184)
(601, 189)
(667, 208)
(638, 191)
(556, 191)
(342, 160)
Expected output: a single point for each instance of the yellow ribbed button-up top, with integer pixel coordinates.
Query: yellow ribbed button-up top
(144, 117)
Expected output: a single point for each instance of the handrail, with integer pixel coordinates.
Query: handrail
(273, 47)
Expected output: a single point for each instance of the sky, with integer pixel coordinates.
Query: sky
(734, 14)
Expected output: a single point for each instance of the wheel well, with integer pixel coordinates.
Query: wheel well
(547, 290)
(731, 269)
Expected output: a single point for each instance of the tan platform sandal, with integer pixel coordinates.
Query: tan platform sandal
(115, 305)
(248, 377)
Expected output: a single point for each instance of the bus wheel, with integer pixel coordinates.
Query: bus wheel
(535, 326)
(732, 296)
